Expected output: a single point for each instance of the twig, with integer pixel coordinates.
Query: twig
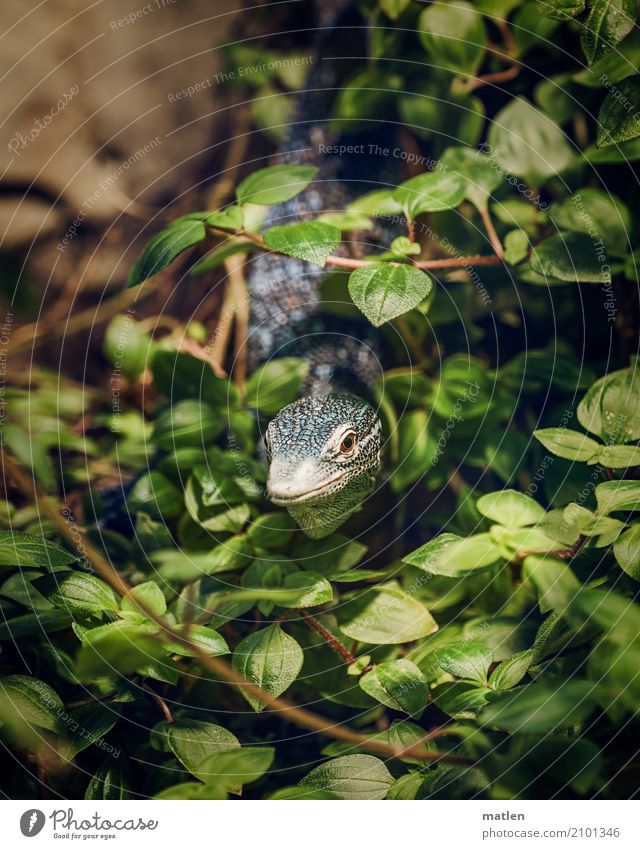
(496, 244)
(291, 712)
(494, 78)
(348, 262)
(164, 707)
(238, 286)
(33, 335)
(328, 637)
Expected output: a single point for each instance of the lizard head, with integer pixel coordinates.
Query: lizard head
(324, 455)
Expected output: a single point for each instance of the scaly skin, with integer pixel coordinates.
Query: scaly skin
(324, 456)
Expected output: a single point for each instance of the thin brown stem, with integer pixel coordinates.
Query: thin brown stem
(164, 707)
(496, 244)
(493, 79)
(328, 637)
(288, 710)
(238, 286)
(349, 263)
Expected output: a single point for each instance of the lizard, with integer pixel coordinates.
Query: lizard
(323, 450)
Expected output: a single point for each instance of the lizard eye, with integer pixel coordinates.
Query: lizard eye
(348, 443)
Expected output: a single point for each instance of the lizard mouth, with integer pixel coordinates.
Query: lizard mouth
(284, 494)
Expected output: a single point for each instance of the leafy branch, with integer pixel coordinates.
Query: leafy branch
(174, 635)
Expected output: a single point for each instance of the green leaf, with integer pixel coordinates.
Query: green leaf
(606, 24)
(193, 790)
(555, 582)
(88, 724)
(611, 406)
(120, 647)
(269, 658)
(18, 549)
(627, 551)
(169, 243)
(516, 246)
(311, 590)
(216, 257)
(208, 640)
(192, 741)
(275, 184)
(347, 221)
(618, 456)
(526, 142)
(417, 449)
(276, 384)
(385, 615)
(188, 423)
(231, 218)
(434, 191)
(108, 783)
(510, 508)
(155, 495)
(271, 530)
(351, 777)
(561, 10)
(394, 8)
(237, 766)
(77, 592)
(619, 116)
(185, 566)
(312, 241)
(454, 36)
(469, 659)
(377, 204)
(449, 554)
(286, 793)
(537, 708)
(478, 172)
(566, 443)
(459, 699)
(127, 346)
(612, 496)
(398, 684)
(598, 214)
(385, 291)
(403, 245)
(27, 699)
(150, 595)
(178, 376)
(586, 523)
(511, 671)
(34, 625)
(573, 258)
